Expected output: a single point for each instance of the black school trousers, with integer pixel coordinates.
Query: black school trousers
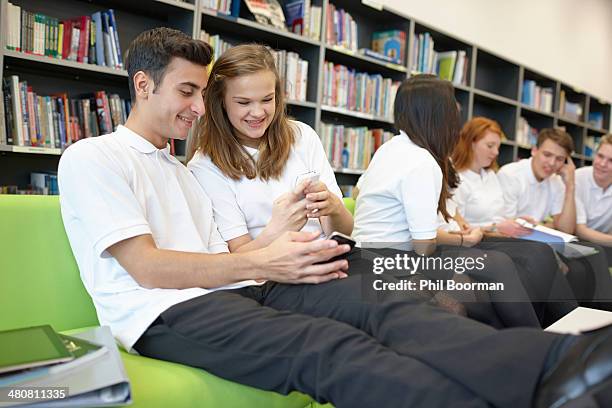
(344, 343)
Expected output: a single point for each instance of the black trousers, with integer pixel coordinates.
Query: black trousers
(347, 344)
(590, 278)
(539, 272)
(510, 307)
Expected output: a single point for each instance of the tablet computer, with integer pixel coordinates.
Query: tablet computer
(31, 347)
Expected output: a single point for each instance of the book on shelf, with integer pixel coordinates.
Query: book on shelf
(450, 65)
(376, 55)
(596, 119)
(358, 92)
(347, 190)
(218, 44)
(526, 135)
(390, 43)
(536, 96)
(267, 12)
(351, 147)
(342, 30)
(222, 6)
(590, 145)
(44, 183)
(293, 72)
(569, 110)
(92, 39)
(55, 121)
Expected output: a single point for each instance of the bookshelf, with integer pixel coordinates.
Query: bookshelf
(491, 85)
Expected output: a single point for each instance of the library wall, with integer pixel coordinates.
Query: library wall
(557, 37)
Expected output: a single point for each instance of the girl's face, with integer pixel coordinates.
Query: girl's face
(250, 105)
(485, 150)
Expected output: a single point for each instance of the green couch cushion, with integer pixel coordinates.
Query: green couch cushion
(40, 284)
(40, 278)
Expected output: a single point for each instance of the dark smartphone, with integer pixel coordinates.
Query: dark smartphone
(341, 239)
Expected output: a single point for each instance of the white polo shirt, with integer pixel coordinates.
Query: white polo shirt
(593, 204)
(119, 186)
(479, 197)
(398, 195)
(524, 195)
(245, 206)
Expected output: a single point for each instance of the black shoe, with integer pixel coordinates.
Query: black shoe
(582, 377)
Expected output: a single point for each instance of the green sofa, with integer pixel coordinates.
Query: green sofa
(40, 284)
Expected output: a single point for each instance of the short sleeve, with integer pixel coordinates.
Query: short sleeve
(419, 191)
(228, 216)
(95, 192)
(317, 159)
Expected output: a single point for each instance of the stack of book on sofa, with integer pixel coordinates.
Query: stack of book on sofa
(39, 366)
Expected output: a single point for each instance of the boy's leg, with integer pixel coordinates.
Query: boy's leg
(539, 272)
(230, 334)
(502, 367)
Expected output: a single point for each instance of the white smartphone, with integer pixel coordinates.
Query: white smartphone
(311, 176)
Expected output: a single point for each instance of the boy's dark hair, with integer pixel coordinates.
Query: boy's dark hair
(153, 50)
(559, 136)
(426, 110)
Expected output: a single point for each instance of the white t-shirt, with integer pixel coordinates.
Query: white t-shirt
(593, 204)
(479, 197)
(119, 186)
(524, 195)
(398, 195)
(245, 206)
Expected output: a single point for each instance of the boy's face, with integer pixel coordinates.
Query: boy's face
(602, 164)
(547, 159)
(178, 100)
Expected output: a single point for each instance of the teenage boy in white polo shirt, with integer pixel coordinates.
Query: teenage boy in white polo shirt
(594, 198)
(544, 185)
(151, 257)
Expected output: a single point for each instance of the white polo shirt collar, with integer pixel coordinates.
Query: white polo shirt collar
(142, 145)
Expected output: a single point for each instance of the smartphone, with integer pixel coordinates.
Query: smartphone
(311, 176)
(342, 239)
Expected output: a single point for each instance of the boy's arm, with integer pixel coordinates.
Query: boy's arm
(289, 259)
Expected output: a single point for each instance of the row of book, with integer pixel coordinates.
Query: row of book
(292, 69)
(526, 135)
(569, 110)
(341, 28)
(88, 39)
(351, 147)
(536, 96)
(56, 121)
(218, 44)
(448, 65)
(357, 91)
